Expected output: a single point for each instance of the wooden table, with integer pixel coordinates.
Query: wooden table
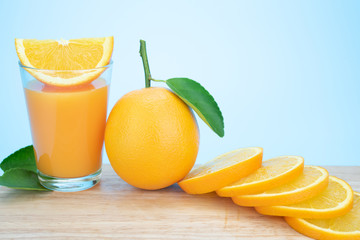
(114, 209)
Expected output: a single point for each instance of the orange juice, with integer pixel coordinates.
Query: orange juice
(67, 126)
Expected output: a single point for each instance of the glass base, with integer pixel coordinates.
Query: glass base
(69, 184)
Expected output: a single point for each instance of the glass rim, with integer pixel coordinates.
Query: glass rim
(75, 70)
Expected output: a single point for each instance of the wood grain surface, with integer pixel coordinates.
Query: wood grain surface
(116, 210)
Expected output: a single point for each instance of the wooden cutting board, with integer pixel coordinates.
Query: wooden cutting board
(114, 209)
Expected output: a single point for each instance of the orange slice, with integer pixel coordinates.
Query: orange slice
(274, 172)
(344, 227)
(77, 61)
(312, 181)
(336, 200)
(222, 170)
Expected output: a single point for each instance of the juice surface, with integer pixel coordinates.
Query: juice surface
(67, 127)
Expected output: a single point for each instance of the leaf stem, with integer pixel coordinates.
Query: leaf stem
(144, 57)
(156, 80)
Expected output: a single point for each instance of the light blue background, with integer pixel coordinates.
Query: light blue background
(286, 74)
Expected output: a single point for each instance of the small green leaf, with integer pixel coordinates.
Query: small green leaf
(21, 179)
(199, 99)
(23, 158)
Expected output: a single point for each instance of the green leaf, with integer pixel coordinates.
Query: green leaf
(21, 179)
(23, 158)
(199, 99)
(20, 170)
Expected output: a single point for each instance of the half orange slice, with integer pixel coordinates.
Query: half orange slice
(73, 62)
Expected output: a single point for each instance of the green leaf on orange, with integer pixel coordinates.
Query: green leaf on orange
(200, 100)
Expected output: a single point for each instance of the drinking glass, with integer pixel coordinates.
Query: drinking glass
(67, 126)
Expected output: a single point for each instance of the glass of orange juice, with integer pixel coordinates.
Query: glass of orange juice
(67, 127)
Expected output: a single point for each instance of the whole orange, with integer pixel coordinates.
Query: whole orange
(151, 138)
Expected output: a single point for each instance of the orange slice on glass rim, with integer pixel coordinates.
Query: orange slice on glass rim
(75, 61)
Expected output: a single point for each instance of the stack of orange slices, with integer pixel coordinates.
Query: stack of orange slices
(312, 202)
